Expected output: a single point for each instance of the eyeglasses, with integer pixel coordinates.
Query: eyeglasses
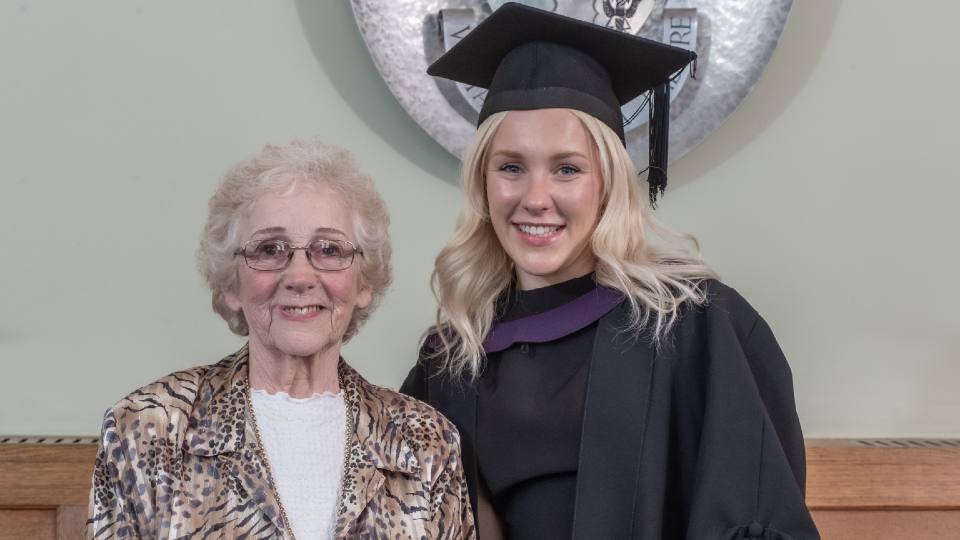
(324, 255)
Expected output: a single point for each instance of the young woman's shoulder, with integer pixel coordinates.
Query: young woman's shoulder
(723, 296)
(727, 334)
(724, 307)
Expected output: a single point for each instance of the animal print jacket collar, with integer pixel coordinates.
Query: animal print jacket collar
(179, 459)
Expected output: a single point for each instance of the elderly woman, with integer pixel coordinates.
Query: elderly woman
(283, 439)
(604, 383)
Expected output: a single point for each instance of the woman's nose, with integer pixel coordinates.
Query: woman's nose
(301, 276)
(537, 198)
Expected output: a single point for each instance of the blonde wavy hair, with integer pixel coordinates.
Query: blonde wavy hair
(472, 271)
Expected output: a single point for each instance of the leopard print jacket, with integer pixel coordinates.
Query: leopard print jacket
(179, 458)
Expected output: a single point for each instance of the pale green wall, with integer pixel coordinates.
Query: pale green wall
(827, 199)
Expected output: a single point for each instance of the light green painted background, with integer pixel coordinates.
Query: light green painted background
(827, 199)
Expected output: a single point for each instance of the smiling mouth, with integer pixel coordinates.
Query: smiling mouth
(301, 310)
(539, 230)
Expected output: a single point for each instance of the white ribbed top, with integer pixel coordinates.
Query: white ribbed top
(304, 440)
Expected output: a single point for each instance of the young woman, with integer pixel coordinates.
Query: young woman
(605, 386)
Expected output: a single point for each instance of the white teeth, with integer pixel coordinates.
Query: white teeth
(303, 310)
(538, 230)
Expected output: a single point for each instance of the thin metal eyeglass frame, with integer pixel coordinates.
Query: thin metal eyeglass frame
(242, 250)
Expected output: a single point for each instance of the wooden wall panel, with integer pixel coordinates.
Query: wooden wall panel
(877, 475)
(24, 524)
(71, 522)
(45, 475)
(887, 524)
(857, 489)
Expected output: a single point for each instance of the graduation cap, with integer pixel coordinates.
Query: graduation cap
(528, 58)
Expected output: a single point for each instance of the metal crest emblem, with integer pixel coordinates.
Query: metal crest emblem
(734, 40)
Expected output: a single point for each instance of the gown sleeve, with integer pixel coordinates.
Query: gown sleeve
(415, 385)
(750, 475)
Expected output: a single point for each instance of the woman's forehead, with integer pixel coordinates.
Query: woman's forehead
(549, 133)
(555, 129)
(301, 213)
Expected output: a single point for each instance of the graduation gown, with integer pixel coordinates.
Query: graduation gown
(695, 439)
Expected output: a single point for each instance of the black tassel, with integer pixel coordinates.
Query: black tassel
(659, 139)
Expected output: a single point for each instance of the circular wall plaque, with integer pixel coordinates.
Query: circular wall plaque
(734, 40)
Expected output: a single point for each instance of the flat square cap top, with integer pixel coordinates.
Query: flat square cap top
(633, 64)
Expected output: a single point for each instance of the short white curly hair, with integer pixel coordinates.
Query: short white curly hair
(278, 169)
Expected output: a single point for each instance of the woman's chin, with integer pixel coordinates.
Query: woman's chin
(539, 269)
(302, 345)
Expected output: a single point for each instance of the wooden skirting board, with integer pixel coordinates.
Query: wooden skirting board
(857, 489)
(44, 490)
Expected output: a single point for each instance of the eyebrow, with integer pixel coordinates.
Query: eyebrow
(510, 154)
(507, 154)
(318, 230)
(571, 153)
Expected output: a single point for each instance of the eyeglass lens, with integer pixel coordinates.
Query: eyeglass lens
(276, 254)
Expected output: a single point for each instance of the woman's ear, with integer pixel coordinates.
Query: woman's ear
(364, 297)
(231, 299)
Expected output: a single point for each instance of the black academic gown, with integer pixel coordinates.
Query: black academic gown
(698, 439)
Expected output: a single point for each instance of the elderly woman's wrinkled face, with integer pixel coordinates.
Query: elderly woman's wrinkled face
(299, 310)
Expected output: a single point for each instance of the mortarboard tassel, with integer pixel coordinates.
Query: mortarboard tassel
(659, 139)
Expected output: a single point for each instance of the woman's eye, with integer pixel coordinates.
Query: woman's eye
(567, 170)
(327, 249)
(510, 168)
(270, 249)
